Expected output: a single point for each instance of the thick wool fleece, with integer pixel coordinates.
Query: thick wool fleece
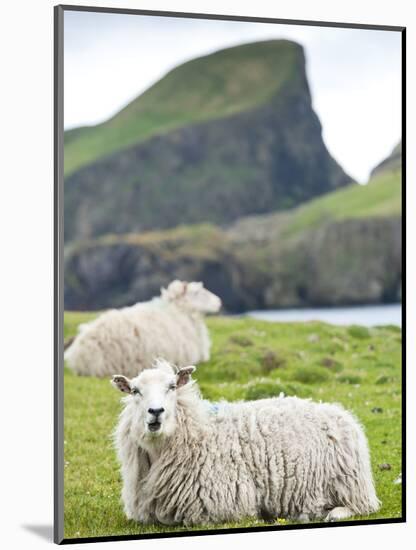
(283, 457)
(128, 340)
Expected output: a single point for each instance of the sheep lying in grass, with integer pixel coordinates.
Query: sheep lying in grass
(184, 461)
(128, 340)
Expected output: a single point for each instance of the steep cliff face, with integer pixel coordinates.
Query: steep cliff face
(343, 248)
(259, 152)
(348, 262)
(117, 271)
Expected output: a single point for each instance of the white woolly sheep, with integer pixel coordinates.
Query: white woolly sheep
(185, 461)
(129, 340)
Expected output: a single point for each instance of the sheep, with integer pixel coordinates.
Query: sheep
(185, 461)
(128, 340)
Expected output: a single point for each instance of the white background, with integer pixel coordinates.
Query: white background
(26, 255)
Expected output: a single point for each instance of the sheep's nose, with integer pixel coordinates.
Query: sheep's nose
(156, 412)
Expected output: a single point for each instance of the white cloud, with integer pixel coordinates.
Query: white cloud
(354, 75)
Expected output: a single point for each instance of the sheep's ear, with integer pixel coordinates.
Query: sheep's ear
(184, 375)
(175, 286)
(121, 382)
(174, 290)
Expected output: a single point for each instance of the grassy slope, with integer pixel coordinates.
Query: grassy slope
(380, 197)
(392, 162)
(214, 86)
(250, 359)
(201, 240)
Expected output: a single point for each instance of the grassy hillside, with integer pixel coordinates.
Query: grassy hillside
(197, 241)
(354, 366)
(380, 197)
(223, 136)
(392, 162)
(214, 86)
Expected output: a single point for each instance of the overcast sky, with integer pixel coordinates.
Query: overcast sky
(354, 75)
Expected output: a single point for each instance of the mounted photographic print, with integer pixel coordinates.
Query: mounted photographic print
(228, 299)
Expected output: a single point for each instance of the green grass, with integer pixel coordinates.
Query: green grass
(217, 85)
(250, 360)
(203, 241)
(380, 197)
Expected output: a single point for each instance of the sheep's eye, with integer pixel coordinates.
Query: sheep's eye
(172, 387)
(135, 391)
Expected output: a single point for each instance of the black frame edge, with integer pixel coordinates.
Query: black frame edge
(233, 531)
(58, 526)
(404, 297)
(226, 17)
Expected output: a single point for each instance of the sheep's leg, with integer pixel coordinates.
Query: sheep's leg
(304, 517)
(134, 467)
(340, 512)
(129, 494)
(143, 516)
(267, 516)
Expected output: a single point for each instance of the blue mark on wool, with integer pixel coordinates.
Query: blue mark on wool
(213, 407)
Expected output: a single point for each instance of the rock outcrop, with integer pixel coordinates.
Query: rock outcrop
(265, 155)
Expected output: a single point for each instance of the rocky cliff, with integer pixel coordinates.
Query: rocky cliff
(224, 136)
(343, 248)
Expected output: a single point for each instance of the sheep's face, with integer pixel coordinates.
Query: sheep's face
(192, 296)
(153, 397)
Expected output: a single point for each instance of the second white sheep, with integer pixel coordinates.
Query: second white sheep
(129, 340)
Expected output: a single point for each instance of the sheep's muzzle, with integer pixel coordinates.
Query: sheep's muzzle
(154, 426)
